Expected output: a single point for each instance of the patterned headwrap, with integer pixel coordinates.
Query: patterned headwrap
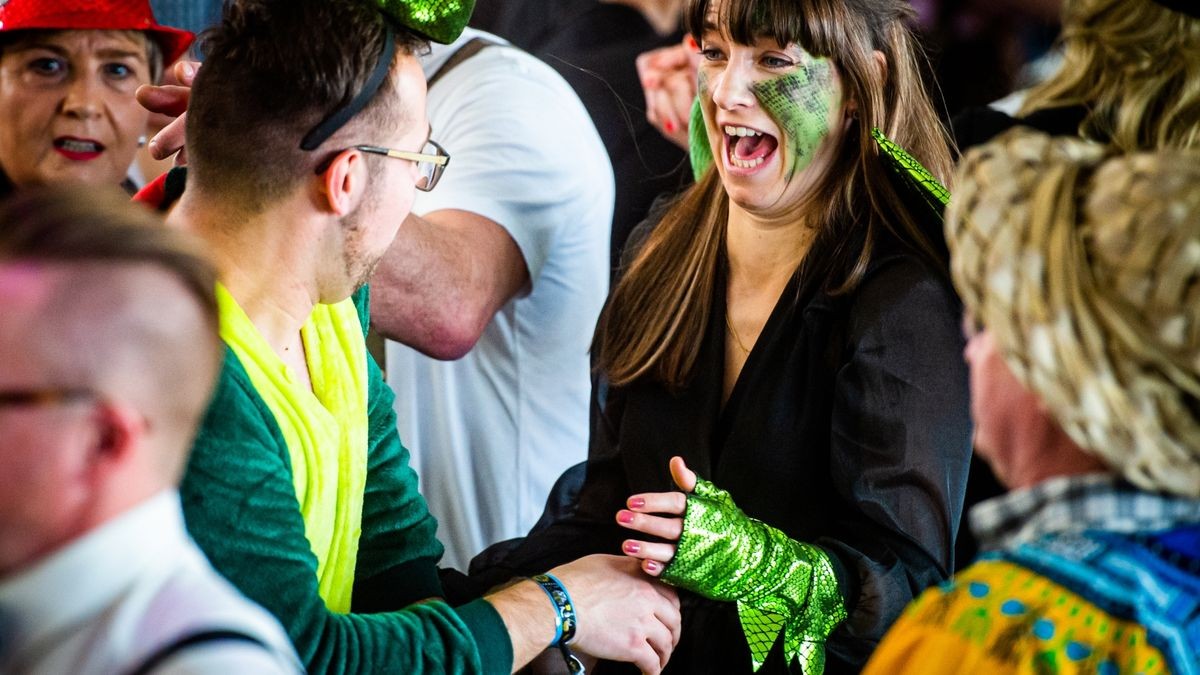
(1085, 269)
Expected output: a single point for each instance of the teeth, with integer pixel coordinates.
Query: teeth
(740, 131)
(79, 146)
(745, 164)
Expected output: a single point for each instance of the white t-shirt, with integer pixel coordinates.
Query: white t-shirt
(113, 598)
(491, 432)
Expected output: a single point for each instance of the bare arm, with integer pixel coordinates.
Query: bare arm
(443, 279)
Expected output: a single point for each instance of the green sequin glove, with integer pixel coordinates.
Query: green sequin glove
(439, 20)
(911, 173)
(779, 585)
(698, 149)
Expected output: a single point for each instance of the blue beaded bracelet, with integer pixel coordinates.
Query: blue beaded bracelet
(564, 619)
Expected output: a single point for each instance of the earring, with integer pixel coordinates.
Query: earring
(142, 141)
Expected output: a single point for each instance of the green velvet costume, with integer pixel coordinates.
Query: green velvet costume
(240, 506)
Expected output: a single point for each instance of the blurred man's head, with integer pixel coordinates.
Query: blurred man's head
(108, 336)
(1082, 274)
(287, 90)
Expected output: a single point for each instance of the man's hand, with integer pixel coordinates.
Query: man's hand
(668, 77)
(621, 614)
(170, 101)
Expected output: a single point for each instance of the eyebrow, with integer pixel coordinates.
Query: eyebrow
(104, 53)
(115, 53)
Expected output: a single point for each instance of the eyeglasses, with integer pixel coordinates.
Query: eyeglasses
(431, 161)
(18, 398)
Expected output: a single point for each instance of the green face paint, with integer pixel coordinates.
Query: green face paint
(699, 149)
(800, 103)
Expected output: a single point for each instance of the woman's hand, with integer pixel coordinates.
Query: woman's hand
(667, 525)
(170, 101)
(668, 77)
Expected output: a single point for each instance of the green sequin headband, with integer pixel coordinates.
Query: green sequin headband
(438, 20)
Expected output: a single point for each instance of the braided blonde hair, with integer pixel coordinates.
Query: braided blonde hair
(1086, 271)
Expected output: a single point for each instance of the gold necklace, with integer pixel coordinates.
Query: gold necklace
(733, 332)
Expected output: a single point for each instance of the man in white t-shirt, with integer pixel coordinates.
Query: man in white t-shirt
(108, 336)
(503, 274)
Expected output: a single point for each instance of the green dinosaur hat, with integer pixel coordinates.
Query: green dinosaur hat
(438, 20)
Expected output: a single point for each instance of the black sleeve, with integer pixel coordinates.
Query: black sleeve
(578, 519)
(900, 446)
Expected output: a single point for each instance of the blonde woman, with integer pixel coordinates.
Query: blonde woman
(68, 72)
(787, 328)
(1128, 79)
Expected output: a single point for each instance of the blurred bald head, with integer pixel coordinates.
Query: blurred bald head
(108, 333)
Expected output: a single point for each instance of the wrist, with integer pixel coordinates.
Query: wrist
(528, 617)
(564, 622)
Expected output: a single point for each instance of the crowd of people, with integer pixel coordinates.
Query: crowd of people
(347, 389)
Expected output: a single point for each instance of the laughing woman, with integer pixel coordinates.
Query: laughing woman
(68, 72)
(788, 329)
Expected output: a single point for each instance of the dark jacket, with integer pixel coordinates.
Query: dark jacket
(848, 428)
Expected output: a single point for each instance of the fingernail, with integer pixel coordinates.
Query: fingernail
(189, 70)
(670, 126)
(632, 547)
(637, 503)
(652, 566)
(624, 517)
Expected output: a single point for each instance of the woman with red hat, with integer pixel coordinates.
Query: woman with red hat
(68, 73)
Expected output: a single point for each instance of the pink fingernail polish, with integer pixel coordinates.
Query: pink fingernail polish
(624, 517)
(632, 547)
(637, 503)
(669, 126)
(652, 566)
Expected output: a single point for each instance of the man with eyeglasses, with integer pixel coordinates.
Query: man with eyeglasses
(109, 346)
(305, 151)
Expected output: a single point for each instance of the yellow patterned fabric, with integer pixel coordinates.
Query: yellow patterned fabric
(325, 429)
(1000, 617)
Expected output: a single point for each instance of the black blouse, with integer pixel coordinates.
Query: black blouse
(848, 428)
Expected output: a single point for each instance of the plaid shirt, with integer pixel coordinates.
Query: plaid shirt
(1075, 504)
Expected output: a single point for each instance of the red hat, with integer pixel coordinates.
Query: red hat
(93, 15)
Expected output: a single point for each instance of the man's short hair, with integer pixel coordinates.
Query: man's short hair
(95, 225)
(273, 69)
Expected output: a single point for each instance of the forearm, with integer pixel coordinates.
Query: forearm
(779, 584)
(443, 279)
(528, 617)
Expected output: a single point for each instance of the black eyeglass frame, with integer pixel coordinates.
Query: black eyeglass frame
(47, 396)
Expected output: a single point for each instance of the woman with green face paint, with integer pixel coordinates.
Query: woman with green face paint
(787, 330)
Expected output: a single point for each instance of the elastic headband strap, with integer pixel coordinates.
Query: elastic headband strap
(340, 116)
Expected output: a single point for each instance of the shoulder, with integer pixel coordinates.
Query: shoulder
(900, 281)
(253, 639)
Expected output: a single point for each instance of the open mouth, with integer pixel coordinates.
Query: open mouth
(78, 148)
(748, 148)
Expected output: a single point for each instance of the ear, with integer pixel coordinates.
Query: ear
(119, 431)
(881, 71)
(343, 184)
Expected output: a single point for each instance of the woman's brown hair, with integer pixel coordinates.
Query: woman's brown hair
(658, 312)
(1135, 65)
